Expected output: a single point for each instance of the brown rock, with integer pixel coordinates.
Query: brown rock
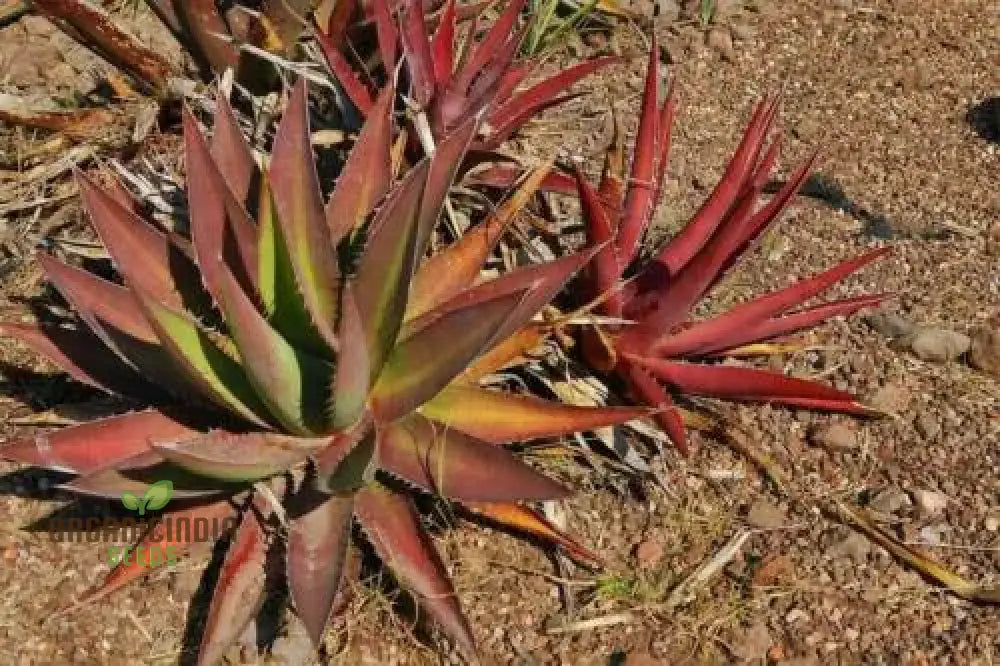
(765, 515)
(774, 570)
(855, 546)
(37, 26)
(984, 352)
(891, 398)
(937, 345)
(721, 40)
(834, 437)
(929, 502)
(649, 553)
(744, 32)
(993, 236)
(751, 644)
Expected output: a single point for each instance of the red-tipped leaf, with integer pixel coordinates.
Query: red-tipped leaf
(499, 417)
(318, 545)
(88, 447)
(393, 526)
(449, 463)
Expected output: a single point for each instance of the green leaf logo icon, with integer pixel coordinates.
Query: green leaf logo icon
(155, 497)
(130, 501)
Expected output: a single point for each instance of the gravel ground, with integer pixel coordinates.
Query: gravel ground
(896, 96)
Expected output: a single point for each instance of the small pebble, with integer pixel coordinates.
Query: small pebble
(984, 351)
(834, 437)
(937, 345)
(890, 500)
(929, 502)
(855, 546)
(765, 515)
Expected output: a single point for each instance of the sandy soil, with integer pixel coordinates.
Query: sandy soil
(886, 90)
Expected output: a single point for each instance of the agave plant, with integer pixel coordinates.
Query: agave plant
(449, 85)
(662, 350)
(299, 362)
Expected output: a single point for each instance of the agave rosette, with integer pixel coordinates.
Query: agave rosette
(450, 85)
(662, 350)
(311, 338)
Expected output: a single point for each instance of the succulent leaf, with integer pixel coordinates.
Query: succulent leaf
(318, 545)
(299, 207)
(393, 526)
(239, 593)
(449, 463)
(423, 364)
(498, 418)
(237, 458)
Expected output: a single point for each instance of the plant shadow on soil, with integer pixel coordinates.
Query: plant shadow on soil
(984, 118)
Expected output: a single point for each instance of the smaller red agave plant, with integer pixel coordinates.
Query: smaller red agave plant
(303, 369)
(661, 350)
(450, 86)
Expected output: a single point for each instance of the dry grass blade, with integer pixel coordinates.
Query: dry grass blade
(684, 592)
(913, 557)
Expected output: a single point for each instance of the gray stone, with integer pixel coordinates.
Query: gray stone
(890, 500)
(889, 324)
(938, 345)
(855, 546)
(929, 502)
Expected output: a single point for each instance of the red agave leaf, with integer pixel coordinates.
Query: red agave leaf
(607, 268)
(453, 269)
(237, 457)
(451, 464)
(383, 278)
(443, 46)
(498, 35)
(417, 47)
(222, 231)
(83, 356)
(445, 163)
(498, 417)
(717, 332)
(292, 383)
(318, 545)
(298, 201)
(88, 447)
(366, 176)
(393, 526)
(344, 73)
(796, 321)
(639, 199)
(507, 119)
(239, 593)
(423, 364)
(696, 232)
(646, 389)
(539, 283)
(137, 473)
(386, 33)
(523, 519)
(352, 380)
(231, 152)
(738, 383)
